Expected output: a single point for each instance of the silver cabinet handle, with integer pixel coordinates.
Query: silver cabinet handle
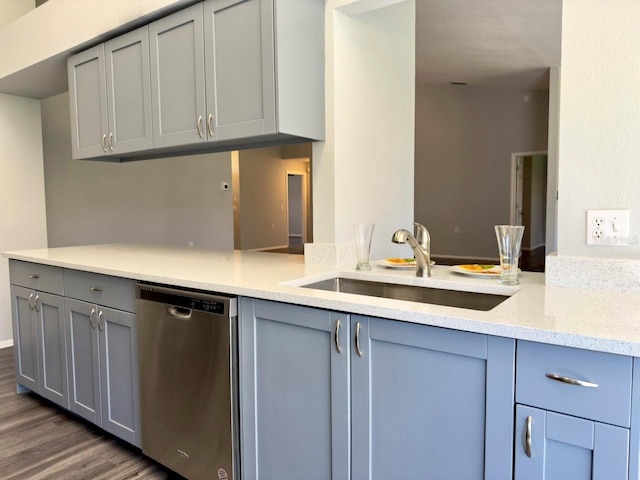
(95, 289)
(36, 303)
(102, 142)
(338, 347)
(571, 381)
(200, 126)
(31, 307)
(34, 277)
(93, 312)
(111, 141)
(100, 325)
(210, 124)
(527, 436)
(358, 339)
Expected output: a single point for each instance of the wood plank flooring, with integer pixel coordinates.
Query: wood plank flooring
(39, 441)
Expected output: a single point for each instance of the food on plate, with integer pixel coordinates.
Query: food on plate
(479, 268)
(401, 261)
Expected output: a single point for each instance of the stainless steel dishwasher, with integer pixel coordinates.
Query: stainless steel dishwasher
(188, 381)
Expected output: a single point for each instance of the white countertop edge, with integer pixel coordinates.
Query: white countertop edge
(510, 319)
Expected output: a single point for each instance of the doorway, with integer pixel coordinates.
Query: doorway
(296, 210)
(529, 205)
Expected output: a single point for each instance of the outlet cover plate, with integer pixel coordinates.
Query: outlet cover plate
(608, 227)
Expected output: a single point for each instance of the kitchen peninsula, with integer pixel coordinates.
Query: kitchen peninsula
(295, 344)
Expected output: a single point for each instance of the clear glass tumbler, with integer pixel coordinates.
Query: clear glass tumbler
(364, 234)
(509, 240)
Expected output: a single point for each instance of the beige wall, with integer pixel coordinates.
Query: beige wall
(364, 169)
(263, 196)
(464, 140)
(171, 200)
(10, 10)
(599, 121)
(22, 203)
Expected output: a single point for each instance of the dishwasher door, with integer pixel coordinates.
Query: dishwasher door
(186, 349)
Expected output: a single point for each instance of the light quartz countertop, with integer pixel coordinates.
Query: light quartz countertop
(592, 319)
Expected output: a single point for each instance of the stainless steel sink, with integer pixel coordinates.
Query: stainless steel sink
(411, 293)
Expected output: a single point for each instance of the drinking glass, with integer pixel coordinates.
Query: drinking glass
(364, 233)
(509, 240)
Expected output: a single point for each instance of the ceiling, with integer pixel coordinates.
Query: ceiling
(488, 43)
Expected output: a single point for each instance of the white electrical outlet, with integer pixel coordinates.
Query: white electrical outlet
(608, 227)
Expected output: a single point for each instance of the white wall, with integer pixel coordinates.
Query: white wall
(364, 169)
(464, 140)
(22, 215)
(599, 121)
(171, 200)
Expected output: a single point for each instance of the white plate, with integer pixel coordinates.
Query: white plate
(493, 272)
(400, 266)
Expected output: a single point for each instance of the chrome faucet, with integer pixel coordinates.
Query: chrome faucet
(420, 242)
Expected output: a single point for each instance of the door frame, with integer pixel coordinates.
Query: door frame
(514, 180)
(304, 202)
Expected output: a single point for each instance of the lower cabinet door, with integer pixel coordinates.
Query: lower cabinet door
(429, 403)
(553, 446)
(118, 373)
(294, 392)
(83, 359)
(24, 337)
(49, 310)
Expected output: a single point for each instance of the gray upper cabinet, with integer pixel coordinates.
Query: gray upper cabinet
(218, 75)
(178, 85)
(110, 99)
(239, 36)
(88, 103)
(129, 93)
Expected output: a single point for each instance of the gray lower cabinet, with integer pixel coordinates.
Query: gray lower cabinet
(574, 415)
(110, 97)
(294, 392)
(554, 446)
(39, 343)
(324, 395)
(102, 360)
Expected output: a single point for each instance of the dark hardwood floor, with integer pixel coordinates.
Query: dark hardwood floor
(41, 441)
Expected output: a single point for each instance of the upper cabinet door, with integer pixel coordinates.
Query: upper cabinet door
(177, 78)
(88, 101)
(129, 92)
(239, 59)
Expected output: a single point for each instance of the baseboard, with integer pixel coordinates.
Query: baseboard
(263, 249)
(6, 343)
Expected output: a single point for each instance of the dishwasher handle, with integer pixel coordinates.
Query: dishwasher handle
(180, 313)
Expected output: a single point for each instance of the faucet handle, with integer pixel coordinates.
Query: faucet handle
(421, 234)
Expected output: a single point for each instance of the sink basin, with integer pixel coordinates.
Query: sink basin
(411, 293)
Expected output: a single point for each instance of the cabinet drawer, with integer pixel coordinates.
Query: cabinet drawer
(609, 402)
(44, 278)
(103, 290)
